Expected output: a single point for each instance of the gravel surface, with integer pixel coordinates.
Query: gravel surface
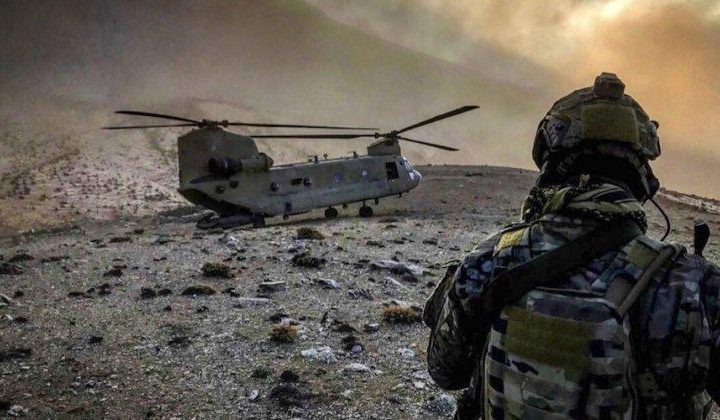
(152, 318)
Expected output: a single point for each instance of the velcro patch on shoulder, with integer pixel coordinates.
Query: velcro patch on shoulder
(610, 122)
(510, 238)
(640, 254)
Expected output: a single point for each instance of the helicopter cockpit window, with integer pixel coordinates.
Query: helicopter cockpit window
(407, 165)
(392, 170)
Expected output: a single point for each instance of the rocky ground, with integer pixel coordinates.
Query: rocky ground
(307, 318)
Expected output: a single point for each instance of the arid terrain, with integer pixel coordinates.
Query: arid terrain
(149, 317)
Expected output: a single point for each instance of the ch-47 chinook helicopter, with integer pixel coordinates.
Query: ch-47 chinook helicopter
(224, 171)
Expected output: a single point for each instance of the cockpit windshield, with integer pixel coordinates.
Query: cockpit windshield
(407, 165)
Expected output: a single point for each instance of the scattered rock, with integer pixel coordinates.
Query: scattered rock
(289, 376)
(230, 291)
(409, 278)
(309, 233)
(389, 220)
(119, 239)
(400, 314)
(250, 301)
(284, 333)
(254, 395)
(288, 395)
(406, 353)
(180, 341)
(443, 405)
(113, 272)
(21, 257)
(397, 267)
(15, 353)
(104, 289)
(324, 354)
(199, 290)
(354, 368)
(17, 411)
(262, 372)
(342, 326)
(273, 286)
(10, 269)
(216, 269)
(352, 344)
(96, 339)
(371, 328)
(147, 293)
(304, 259)
(328, 283)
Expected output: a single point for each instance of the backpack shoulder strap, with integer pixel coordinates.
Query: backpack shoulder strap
(630, 273)
(543, 270)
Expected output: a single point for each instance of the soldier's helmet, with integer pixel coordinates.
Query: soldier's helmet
(599, 130)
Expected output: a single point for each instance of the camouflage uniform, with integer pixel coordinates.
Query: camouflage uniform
(671, 332)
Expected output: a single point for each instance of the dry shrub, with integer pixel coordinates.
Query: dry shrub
(309, 233)
(216, 269)
(398, 314)
(284, 333)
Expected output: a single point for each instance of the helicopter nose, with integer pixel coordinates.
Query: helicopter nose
(418, 176)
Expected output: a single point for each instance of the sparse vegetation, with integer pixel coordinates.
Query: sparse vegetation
(199, 290)
(216, 269)
(284, 333)
(401, 314)
(309, 233)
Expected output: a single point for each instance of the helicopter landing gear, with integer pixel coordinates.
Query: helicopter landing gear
(365, 211)
(208, 222)
(331, 213)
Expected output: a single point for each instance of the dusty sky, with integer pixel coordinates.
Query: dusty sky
(372, 62)
(666, 51)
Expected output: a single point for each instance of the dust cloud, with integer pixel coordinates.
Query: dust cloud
(67, 65)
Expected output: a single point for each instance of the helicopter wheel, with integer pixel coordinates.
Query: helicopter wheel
(258, 222)
(365, 211)
(208, 222)
(331, 213)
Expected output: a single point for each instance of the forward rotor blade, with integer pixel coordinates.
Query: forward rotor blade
(148, 126)
(301, 126)
(439, 146)
(311, 136)
(439, 117)
(151, 114)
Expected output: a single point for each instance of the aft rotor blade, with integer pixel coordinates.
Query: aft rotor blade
(439, 146)
(448, 114)
(300, 126)
(148, 126)
(151, 114)
(311, 136)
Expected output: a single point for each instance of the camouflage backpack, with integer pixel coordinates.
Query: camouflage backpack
(559, 353)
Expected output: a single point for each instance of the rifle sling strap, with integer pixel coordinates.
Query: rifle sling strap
(548, 268)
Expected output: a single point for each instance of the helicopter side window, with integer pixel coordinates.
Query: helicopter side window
(392, 170)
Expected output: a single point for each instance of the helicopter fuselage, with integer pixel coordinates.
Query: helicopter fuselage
(248, 186)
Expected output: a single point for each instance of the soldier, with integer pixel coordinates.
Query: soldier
(575, 312)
